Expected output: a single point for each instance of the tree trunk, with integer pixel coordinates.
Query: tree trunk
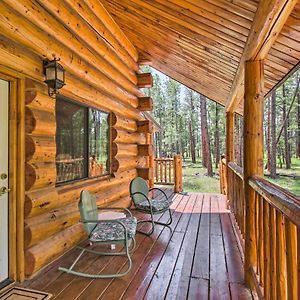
(273, 136)
(192, 143)
(206, 153)
(217, 138)
(285, 131)
(268, 144)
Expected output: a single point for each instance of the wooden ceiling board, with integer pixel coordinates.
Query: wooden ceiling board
(200, 42)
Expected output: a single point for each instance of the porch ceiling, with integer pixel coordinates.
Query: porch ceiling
(200, 43)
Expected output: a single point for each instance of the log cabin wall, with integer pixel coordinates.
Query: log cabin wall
(101, 71)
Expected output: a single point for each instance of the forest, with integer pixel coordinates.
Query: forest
(194, 126)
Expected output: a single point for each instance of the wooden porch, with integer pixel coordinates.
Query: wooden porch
(199, 258)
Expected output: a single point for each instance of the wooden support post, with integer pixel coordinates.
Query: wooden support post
(178, 173)
(229, 151)
(145, 150)
(145, 173)
(253, 155)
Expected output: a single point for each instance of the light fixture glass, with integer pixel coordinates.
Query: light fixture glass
(54, 76)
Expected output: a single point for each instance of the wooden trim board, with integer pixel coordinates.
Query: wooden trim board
(16, 171)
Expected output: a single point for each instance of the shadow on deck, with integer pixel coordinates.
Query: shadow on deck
(198, 259)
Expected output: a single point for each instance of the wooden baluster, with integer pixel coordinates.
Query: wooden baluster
(280, 257)
(298, 262)
(156, 171)
(170, 171)
(267, 272)
(273, 252)
(166, 178)
(243, 201)
(291, 259)
(238, 196)
(161, 170)
(257, 234)
(261, 238)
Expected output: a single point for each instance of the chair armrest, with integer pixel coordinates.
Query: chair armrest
(116, 208)
(160, 191)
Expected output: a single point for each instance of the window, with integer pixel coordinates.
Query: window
(82, 141)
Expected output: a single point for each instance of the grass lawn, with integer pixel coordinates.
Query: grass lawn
(292, 185)
(194, 179)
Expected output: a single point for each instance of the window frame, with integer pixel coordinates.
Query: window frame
(87, 109)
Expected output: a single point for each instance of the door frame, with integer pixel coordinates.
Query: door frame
(16, 174)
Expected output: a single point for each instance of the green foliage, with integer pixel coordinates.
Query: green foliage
(175, 107)
(195, 180)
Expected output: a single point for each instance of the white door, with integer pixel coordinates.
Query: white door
(4, 100)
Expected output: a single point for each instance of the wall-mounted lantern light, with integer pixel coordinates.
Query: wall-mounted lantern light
(55, 76)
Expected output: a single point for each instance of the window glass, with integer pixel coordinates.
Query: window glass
(82, 141)
(98, 143)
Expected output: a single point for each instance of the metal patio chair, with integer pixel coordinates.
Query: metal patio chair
(111, 231)
(139, 193)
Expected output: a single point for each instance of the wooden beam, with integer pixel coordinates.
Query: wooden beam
(145, 150)
(145, 173)
(253, 155)
(144, 126)
(145, 104)
(269, 19)
(144, 80)
(143, 60)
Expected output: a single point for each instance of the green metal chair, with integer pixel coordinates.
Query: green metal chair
(139, 193)
(112, 231)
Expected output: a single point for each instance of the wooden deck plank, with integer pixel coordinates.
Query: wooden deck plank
(94, 288)
(199, 289)
(219, 285)
(178, 287)
(198, 259)
(202, 251)
(78, 284)
(239, 291)
(139, 285)
(160, 281)
(118, 286)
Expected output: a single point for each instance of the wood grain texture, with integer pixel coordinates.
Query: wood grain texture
(181, 263)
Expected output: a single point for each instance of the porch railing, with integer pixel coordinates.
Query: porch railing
(168, 171)
(276, 238)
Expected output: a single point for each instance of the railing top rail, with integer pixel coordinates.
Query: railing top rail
(278, 197)
(236, 169)
(164, 159)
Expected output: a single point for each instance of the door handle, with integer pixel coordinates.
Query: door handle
(4, 190)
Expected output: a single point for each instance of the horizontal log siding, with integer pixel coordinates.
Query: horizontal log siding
(100, 72)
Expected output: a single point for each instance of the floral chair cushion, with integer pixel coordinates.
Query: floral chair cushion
(157, 204)
(112, 231)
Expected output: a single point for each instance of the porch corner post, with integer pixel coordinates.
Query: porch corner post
(253, 155)
(229, 149)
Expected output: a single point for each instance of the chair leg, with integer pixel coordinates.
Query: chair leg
(99, 276)
(153, 224)
(169, 221)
